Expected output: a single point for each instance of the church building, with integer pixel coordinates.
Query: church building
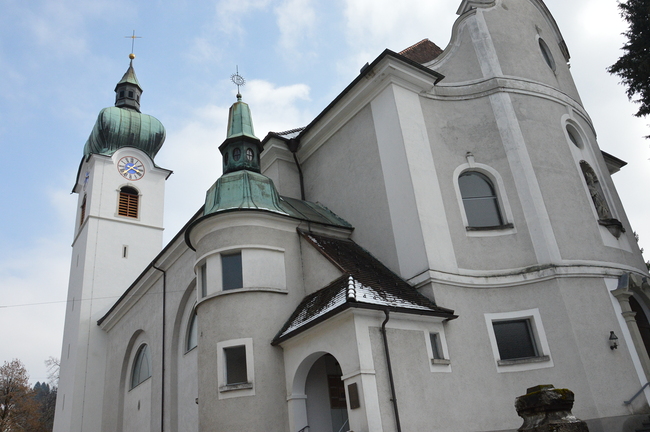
(440, 238)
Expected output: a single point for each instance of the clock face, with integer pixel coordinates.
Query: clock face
(131, 168)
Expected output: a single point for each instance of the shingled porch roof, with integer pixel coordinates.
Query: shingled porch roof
(366, 283)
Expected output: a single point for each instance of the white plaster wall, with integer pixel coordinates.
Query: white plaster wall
(99, 274)
(346, 175)
(263, 268)
(255, 314)
(577, 316)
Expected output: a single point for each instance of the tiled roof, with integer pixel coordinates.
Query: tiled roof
(365, 283)
(422, 52)
(292, 133)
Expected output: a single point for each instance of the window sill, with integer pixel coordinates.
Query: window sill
(440, 361)
(539, 359)
(233, 387)
(491, 228)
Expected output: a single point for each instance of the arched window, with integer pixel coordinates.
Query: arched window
(480, 200)
(141, 366)
(192, 332)
(128, 202)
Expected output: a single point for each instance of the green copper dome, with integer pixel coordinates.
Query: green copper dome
(123, 125)
(242, 190)
(241, 149)
(120, 127)
(247, 190)
(240, 121)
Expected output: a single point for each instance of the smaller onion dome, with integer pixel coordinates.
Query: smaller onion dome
(243, 190)
(123, 125)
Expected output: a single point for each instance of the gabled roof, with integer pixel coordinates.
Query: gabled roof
(366, 283)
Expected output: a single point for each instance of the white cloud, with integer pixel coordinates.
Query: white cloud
(374, 25)
(296, 20)
(33, 285)
(230, 13)
(276, 108)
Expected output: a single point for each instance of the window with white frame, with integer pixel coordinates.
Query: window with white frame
(437, 349)
(518, 340)
(236, 368)
(479, 200)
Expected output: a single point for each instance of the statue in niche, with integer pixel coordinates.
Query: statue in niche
(596, 192)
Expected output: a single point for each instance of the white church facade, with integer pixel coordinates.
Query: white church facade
(443, 236)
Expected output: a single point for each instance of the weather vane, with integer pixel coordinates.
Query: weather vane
(238, 80)
(133, 37)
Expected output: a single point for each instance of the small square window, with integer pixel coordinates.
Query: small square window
(518, 340)
(236, 372)
(515, 339)
(231, 271)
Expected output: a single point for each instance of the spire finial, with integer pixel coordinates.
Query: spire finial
(239, 81)
(133, 37)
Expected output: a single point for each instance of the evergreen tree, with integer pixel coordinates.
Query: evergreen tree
(45, 398)
(634, 65)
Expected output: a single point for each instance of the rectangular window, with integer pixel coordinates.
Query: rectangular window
(236, 372)
(204, 280)
(231, 271)
(515, 339)
(436, 350)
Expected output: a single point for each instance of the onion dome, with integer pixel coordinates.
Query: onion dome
(123, 125)
(243, 190)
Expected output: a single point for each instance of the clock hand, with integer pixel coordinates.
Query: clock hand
(126, 169)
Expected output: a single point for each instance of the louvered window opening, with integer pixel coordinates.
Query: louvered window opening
(128, 205)
(83, 212)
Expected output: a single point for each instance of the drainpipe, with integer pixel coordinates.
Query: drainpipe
(162, 375)
(293, 148)
(390, 372)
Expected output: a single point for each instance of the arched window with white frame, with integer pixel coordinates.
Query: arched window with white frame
(480, 200)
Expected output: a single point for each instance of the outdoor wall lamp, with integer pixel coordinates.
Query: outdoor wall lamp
(613, 340)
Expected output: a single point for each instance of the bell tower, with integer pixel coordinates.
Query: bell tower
(118, 231)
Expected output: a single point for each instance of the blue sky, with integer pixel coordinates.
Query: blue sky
(60, 61)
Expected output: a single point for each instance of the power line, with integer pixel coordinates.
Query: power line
(77, 300)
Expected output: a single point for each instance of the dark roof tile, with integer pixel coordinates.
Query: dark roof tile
(365, 283)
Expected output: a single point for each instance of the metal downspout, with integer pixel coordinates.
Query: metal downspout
(162, 375)
(293, 148)
(390, 372)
